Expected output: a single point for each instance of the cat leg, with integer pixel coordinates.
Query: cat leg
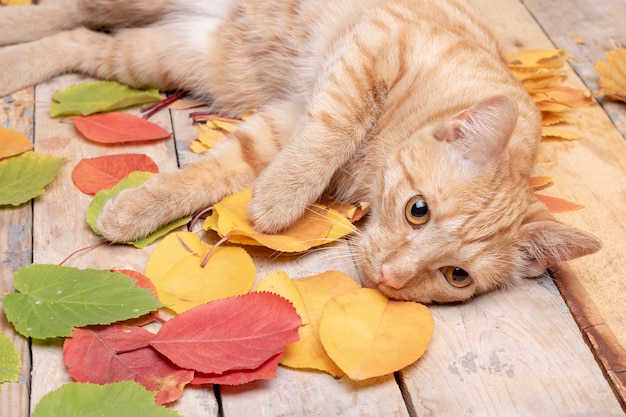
(338, 120)
(141, 57)
(20, 24)
(27, 23)
(232, 165)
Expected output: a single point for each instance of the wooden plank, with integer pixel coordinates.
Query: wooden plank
(509, 353)
(586, 29)
(15, 252)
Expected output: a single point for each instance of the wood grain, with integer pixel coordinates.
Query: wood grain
(15, 252)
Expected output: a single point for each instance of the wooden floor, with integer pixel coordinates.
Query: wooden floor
(527, 351)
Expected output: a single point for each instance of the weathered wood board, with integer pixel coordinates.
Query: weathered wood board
(516, 352)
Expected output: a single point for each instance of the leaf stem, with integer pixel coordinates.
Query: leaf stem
(102, 242)
(198, 217)
(152, 108)
(208, 255)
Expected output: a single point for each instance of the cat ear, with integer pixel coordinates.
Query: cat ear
(483, 131)
(548, 242)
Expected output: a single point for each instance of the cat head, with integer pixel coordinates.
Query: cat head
(454, 216)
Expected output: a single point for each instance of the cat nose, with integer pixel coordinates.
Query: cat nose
(387, 278)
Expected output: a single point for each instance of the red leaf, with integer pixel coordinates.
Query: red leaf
(118, 127)
(90, 357)
(229, 334)
(104, 172)
(142, 280)
(265, 371)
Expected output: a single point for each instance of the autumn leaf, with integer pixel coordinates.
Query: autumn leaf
(538, 183)
(103, 172)
(15, 2)
(98, 96)
(229, 334)
(10, 363)
(141, 281)
(368, 335)
(612, 73)
(120, 399)
(91, 356)
(318, 226)
(13, 143)
(133, 180)
(308, 296)
(24, 177)
(175, 269)
(548, 132)
(266, 371)
(53, 299)
(558, 205)
(118, 128)
(540, 71)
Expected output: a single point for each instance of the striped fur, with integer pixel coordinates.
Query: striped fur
(370, 100)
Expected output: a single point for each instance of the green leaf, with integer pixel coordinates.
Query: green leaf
(97, 97)
(24, 177)
(120, 399)
(134, 179)
(9, 361)
(164, 230)
(53, 299)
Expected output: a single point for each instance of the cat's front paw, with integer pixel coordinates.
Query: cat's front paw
(126, 218)
(274, 212)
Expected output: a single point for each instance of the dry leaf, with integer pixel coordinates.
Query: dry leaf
(548, 132)
(13, 143)
(104, 172)
(558, 205)
(319, 225)
(309, 296)
(537, 183)
(369, 335)
(118, 128)
(613, 74)
(174, 267)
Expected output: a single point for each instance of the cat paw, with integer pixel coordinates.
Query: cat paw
(272, 214)
(126, 218)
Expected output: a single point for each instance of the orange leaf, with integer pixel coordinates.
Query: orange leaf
(537, 183)
(104, 172)
(558, 205)
(118, 128)
(13, 143)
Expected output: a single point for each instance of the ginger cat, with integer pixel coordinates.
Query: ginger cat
(406, 104)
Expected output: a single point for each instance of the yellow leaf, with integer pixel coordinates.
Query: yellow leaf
(319, 225)
(548, 132)
(228, 125)
(308, 296)
(549, 118)
(613, 74)
(535, 58)
(368, 335)
(198, 147)
(13, 143)
(174, 269)
(15, 2)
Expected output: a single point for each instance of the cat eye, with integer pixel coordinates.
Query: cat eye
(416, 210)
(457, 277)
